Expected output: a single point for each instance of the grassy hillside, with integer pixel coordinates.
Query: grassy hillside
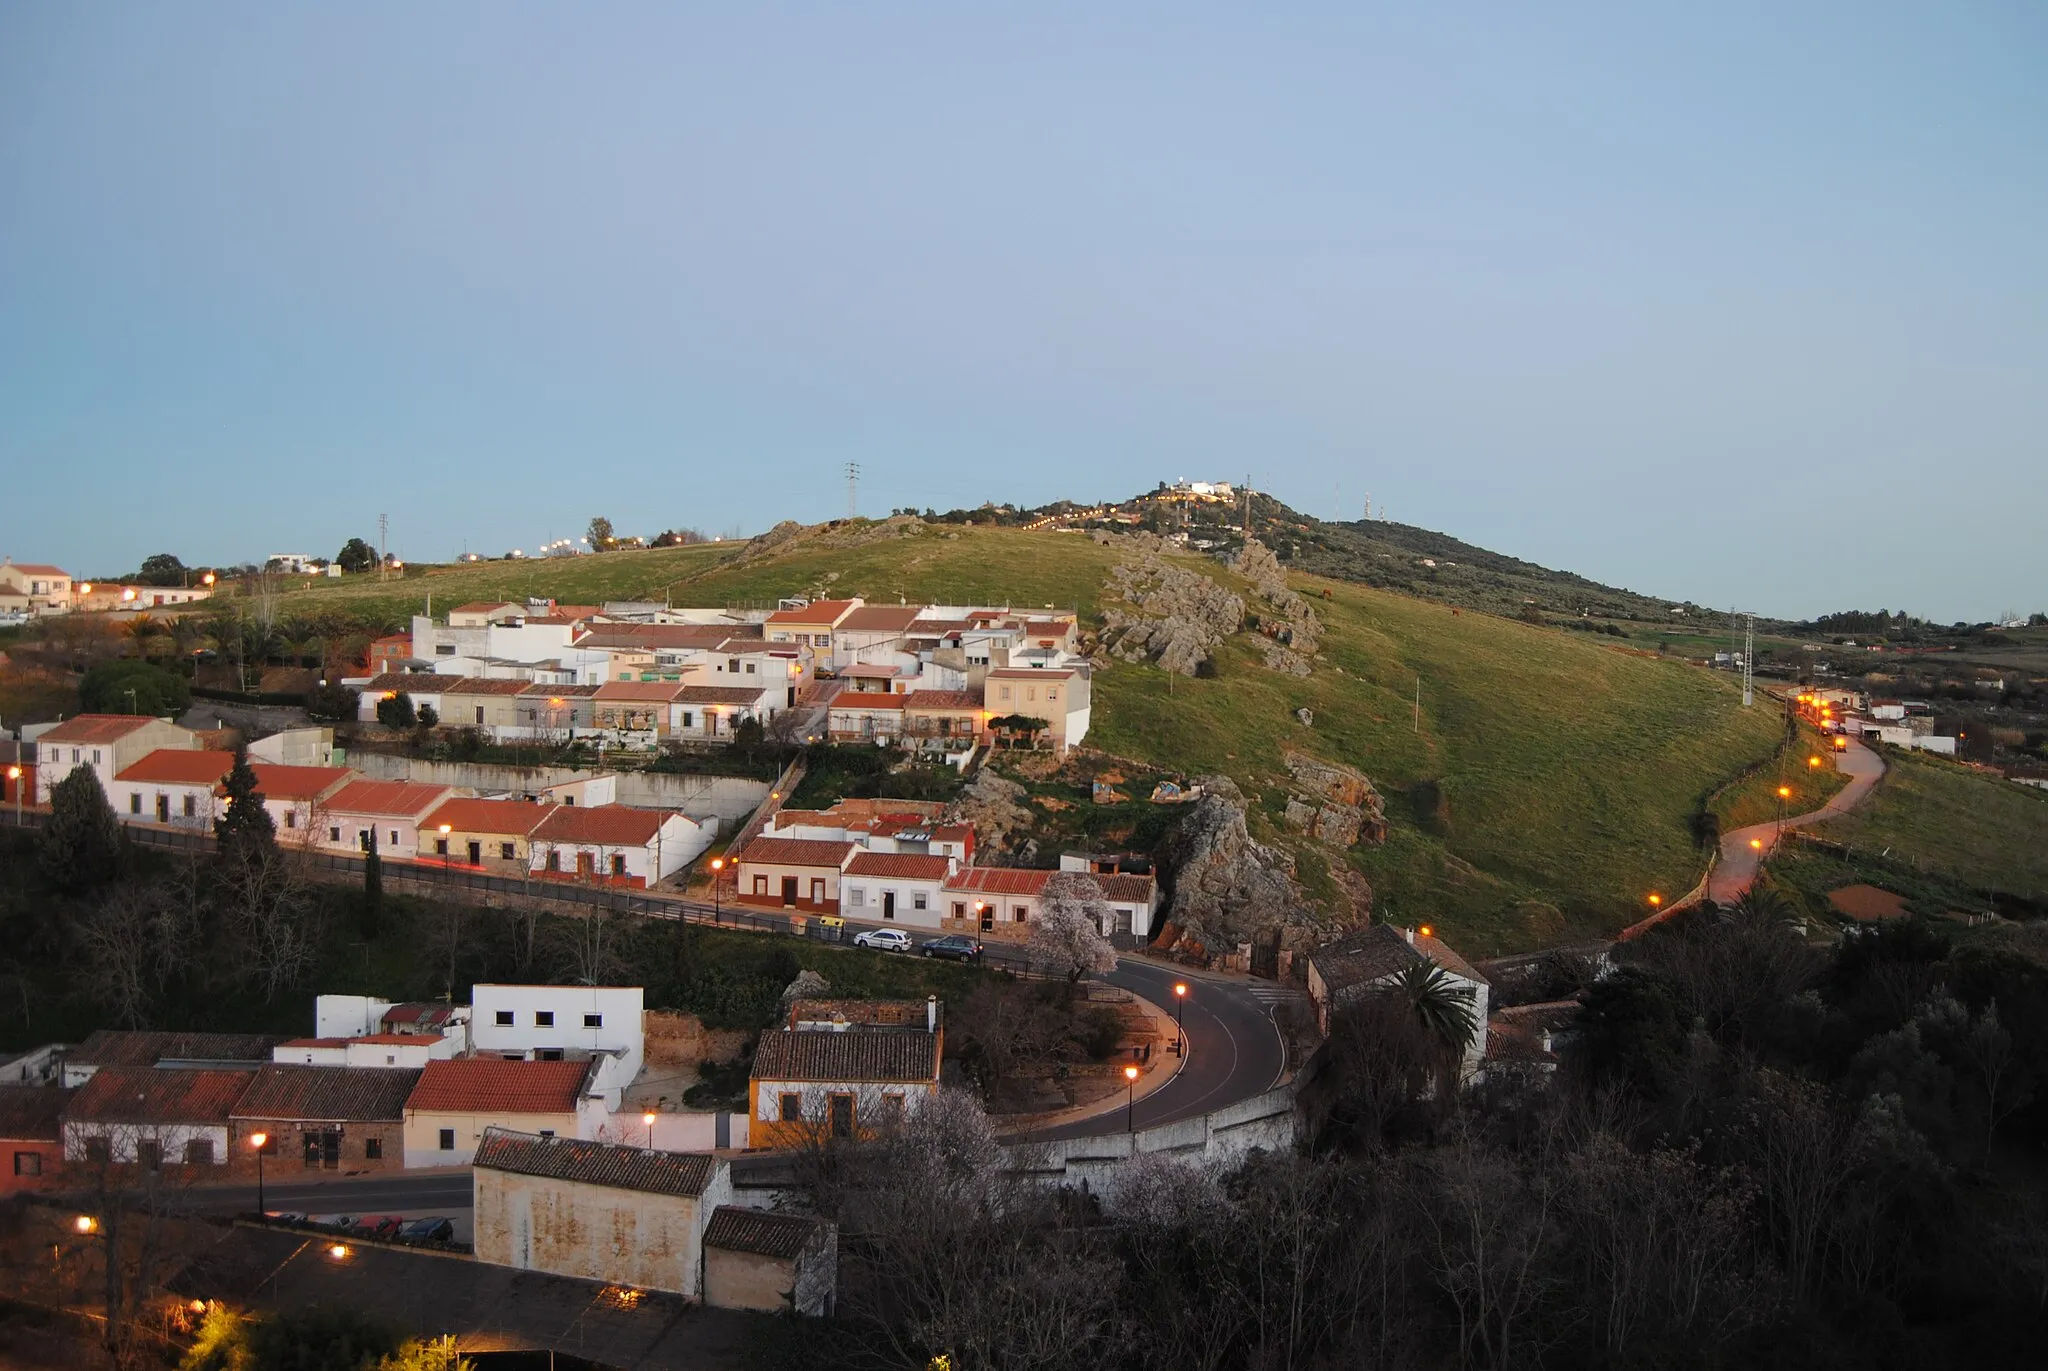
(1943, 818)
(1569, 766)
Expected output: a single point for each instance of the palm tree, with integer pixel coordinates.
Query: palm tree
(142, 633)
(1440, 1004)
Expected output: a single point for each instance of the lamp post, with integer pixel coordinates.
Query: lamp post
(717, 889)
(979, 916)
(447, 854)
(14, 774)
(648, 1119)
(1180, 997)
(259, 1141)
(1130, 1099)
(1784, 794)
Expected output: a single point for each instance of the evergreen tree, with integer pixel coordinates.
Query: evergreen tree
(373, 888)
(80, 847)
(246, 827)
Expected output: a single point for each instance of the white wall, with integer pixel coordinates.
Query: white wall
(867, 1099)
(860, 897)
(124, 1137)
(619, 1007)
(348, 1016)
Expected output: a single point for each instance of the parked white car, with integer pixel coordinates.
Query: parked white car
(883, 940)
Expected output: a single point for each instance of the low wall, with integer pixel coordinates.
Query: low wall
(1223, 1136)
(730, 799)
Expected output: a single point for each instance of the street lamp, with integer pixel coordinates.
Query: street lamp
(1656, 900)
(85, 1223)
(1180, 997)
(259, 1141)
(981, 918)
(1813, 761)
(1784, 794)
(447, 853)
(14, 775)
(1130, 1099)
(648, 1119)
(717, 890)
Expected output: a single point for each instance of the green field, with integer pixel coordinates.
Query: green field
(1944, 818)
(1754, 799)
(1570, 765)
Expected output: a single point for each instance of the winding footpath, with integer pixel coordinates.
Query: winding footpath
(1737, 869)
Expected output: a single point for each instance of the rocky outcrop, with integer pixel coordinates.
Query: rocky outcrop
(1284, 619)
(1228, 889)
(1336, 804)
(996, 806)
(1175, 617)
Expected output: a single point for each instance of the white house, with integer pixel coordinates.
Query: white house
(563, 1023)
(153, 1115)
(995, 896)
(170, 786)
(456, 1101)
(374, 1050)
(108, 743)
(362, 1016)
(895, 887)
(846, 1080)
(1343, 972)
(1132, 897)
(390, 809)
(614, 844)
(296, 797)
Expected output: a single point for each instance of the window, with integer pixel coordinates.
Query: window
(732, 664)
(549, 1054)
(857, 896)
(95, 756)
(479, 713)
(334, 833)
(543, 1018)
(444, 649)
(394, 837)
(447, 1140)
(291, 817)
(99, 1148)
(959, 909)
(503, 1018)
(192, 806)
(135, 802)
(618, 863)
(505, 851)
(689, 719)
(269, 1148)
(373, 1149)
(822, 640)
(1003, 694)
(892, 1107)
(28, 1163)
(789, 1107)
(760, 885)
(199, 1152)
(750, 668)
(917, 900)
(554, 860)
(441, 847)
(1052, 692)
(817, 890)
(150, 1152)
(1020, 914)
(547, 1132)
(593, 1021)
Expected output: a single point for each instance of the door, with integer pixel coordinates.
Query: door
(163, 809)
(789, 892)
(586, 864)
(842, 1116)
(888, 904)
(476, 853)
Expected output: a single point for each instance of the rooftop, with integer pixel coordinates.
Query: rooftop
(96, 728)
(492, 1085)
(275, 782)
(559, 692)
(148, 1094)
(796, 852)
(487, 816)
(178, 766)
(33, 1112)
(142, 1047)
(867, 699)
(881, 619)
(760, 1231)
(720, 695)
(965, 700)
(596, 1163)
(479, 685)
(345, 1094)
(907, 866)
(401, 799)
(1372, 954)
(818, 612)
(652, 692)
(999, 880)
(857, 1054)
(616, 825)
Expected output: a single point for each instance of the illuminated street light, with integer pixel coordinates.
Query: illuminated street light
(339, 1252)
(1180, 997)
(1655, 899)
(85, 1223)
(1131, 1099)
(259, 1140)
(648, 1119)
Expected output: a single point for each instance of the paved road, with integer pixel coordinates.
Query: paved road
(1234, 1048)
(1737, 869)
(413, 1194)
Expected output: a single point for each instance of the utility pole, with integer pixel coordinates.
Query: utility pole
(1418, 702)
(852, 490)
(1749, 661)
(383, 529)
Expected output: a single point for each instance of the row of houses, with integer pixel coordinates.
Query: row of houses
(156, 772)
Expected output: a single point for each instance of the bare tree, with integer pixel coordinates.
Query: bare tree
(1486, 1223)
(588, 944)
(135, 942)
(1067, 939)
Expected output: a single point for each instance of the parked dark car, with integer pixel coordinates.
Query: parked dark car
(953, 947)
(434, 1229)
(329, 1220)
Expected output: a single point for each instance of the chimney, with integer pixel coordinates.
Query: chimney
(931, 1013)
(1546, 1041)
(1409, 934)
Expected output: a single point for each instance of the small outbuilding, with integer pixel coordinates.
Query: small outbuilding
(774, 1263)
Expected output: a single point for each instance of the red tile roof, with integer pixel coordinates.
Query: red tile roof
(328, 1094)
(487, 816)
(148, 1094)
(40, 569)
(939, 628)
(177, 766)
(297, 782)
(720, 695)
(490, 1085)
(596, 1163)
(481, 685)
(397, 799)
(867, 699)
(96, 728)
(881, 619)
(826, 612)
(603, 825)
(999, 880)
(763, 1232)
(943, 701)
(868, 669)
(796, 852)
(33, 1112)
(424, 682)
(563, 692)
(125, 1047)
(906, 866)
(1026, 673)
(882, 1055)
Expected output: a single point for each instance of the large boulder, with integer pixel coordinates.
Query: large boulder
(1170, 615)
(996, 806)
(1228, 889)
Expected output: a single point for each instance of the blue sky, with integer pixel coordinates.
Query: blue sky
(1742, 302)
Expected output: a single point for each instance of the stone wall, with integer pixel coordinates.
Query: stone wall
(1224, 1136)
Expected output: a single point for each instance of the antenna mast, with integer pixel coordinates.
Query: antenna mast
(383, 528)
(852, 490)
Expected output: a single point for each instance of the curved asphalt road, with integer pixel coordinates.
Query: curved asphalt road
(1737, 869)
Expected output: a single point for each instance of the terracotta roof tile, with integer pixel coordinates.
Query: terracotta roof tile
(1372, 954)
(880, 619)
(122, 1047)
(491, 1085)
(867, 699)
(400, 799)
(96, 728)
(760, 1231)
(1126, 888)
(39, 569)
(297, 782)
(421, 682)
(1026, 673)
(328, 1093)
(720, 695)
(481, 685)
(613, 825)
(796, 852)
(639, 691)
(147, 1094)
(557, 691)
(902, 866)
(952, 701)
(596, 1163)
(177, 766)
(999, 880)
(487, 816)
(817, 612)
(33, 1112)
(879, 1055)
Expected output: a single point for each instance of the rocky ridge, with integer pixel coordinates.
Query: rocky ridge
(1291, 629)
(1179, 616)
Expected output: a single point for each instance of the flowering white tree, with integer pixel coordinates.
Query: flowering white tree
(1069, 932)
